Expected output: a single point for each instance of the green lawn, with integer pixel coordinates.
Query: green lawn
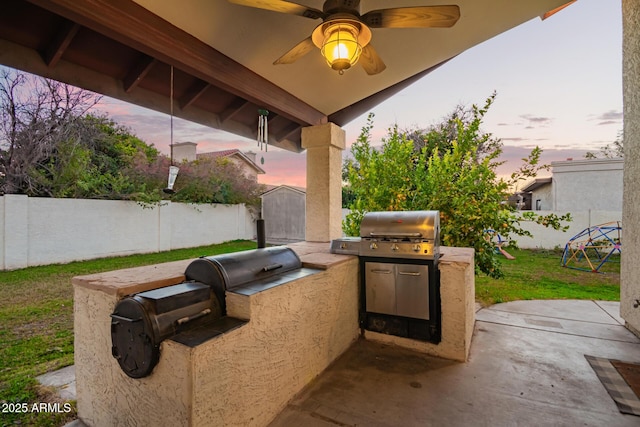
(36, 323)
(539, 274)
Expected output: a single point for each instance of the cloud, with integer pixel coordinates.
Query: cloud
(608, 122)
(513, 155)
(537, 120)
(514, 139)
(503, 124)
(611, 115)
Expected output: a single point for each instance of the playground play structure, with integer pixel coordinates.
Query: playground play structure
(590, 249)
(496, 238)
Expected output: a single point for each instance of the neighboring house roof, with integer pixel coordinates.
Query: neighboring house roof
(536, 183)
(273, 188)
(231, 153)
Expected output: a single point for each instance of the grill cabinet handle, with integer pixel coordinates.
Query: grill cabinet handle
(376, 234)
(271, 267)
(409, 273)
(378, 270)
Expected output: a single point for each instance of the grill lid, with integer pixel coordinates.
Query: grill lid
(401, 225)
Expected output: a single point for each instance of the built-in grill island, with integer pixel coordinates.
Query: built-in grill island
(400, 280)
(195, 310)
(236, 337)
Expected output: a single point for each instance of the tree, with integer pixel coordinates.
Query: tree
(36, 115)
(458, 181)
(92, 162)
(51, 146)
(609, 151)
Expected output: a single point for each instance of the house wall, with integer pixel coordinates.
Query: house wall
(580, 185)
(283, 210)
(630, 268)
(545, 195)
(38, 231)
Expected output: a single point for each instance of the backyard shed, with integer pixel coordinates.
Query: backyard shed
(284, 213)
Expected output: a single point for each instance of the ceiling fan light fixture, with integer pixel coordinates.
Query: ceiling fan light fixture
(340, 46)
(341, 42)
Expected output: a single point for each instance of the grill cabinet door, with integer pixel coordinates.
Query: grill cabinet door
(380, 287)
(412, 290)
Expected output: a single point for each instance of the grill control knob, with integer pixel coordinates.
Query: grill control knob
(394, 247)
(373, 245)
(416, 248)
(343, 245)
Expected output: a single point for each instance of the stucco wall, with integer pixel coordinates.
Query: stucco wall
(630, 268)
(37, 231)
(580, 185)
(548, 238)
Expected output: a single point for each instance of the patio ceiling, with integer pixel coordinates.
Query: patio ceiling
(223, 55)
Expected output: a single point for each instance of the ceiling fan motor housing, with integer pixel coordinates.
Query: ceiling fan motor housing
(342, 6)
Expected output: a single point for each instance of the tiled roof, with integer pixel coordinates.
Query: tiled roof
(216, 154)
(229, 153)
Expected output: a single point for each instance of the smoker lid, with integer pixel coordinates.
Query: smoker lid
(401, 224)
(239, 268)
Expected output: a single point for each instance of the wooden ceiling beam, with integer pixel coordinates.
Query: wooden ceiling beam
(137, 72)
(287, 128)
(131, 24)
(193, 93)
(235, 109)
(288, 132)
(61, 42)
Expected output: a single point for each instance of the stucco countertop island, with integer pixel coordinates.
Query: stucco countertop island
(246, 376)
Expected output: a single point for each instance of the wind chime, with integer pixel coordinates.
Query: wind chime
(263, 131)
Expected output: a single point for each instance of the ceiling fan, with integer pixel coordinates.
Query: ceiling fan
(343, 36)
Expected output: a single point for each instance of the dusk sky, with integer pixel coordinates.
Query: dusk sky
(558, 84)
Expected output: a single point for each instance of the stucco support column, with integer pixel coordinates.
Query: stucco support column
(324, 145)
(630, 268)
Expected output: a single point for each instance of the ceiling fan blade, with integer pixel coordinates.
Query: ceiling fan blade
(282, 7)
(370, 61)
(296, 52)
(413, 17)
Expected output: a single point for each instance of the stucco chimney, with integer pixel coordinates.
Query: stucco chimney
(184, 151)
(251, 155)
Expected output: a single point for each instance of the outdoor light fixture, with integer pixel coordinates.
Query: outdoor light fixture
(173, 174)
(341, 42)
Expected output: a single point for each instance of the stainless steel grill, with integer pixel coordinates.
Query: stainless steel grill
(194, 311)
(400, 281)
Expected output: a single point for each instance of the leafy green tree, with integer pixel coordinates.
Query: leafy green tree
(205, 180)
(36, 115)
(91, 162)
(459, 181)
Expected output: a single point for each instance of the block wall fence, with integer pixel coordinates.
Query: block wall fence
(39, 231)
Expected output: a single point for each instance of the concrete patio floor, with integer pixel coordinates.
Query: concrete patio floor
(526, 368)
